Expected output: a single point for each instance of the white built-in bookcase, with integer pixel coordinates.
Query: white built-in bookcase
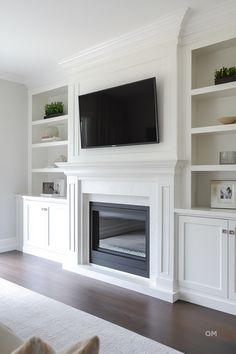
(209, 102)
(42, 155)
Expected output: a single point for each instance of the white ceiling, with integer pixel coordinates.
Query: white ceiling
(36, 34)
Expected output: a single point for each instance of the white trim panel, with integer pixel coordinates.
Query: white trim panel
(9, 244)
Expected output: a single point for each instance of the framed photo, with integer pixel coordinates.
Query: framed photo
(48, 188)
(53, 189)
(223, 194)
(59, 187)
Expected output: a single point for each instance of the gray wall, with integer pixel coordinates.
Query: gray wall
(13, 155)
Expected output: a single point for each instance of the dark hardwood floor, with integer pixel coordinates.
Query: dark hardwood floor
(181, 325)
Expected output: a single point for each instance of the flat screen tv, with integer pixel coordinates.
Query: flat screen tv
(122, 115)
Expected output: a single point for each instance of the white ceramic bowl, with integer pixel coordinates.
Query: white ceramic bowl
(227, 120)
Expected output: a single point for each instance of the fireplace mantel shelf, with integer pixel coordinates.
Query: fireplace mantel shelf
(122, 169)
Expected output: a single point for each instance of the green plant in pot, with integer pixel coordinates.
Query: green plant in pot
(224, 75)
(53, 109)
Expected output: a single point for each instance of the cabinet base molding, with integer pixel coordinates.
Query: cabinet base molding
(206, 300)
(9, 244)
(52, 256)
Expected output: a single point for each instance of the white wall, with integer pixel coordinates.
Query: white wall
(158, 61)
(13, 158)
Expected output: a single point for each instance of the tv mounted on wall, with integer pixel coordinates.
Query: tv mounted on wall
(122, 115)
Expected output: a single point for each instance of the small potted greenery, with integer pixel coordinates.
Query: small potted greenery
(224, 75)
(53, 109)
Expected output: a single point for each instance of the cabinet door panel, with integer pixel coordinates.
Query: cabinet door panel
(232, 260)
(37, 224)
(57, 228)
(203, 254)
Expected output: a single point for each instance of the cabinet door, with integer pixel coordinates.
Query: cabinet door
(232, 260)
(36, 224)
(57, 228)
(203, 254)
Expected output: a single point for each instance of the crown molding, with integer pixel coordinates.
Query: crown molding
(165, 30)
(12, 78)
(215, 22)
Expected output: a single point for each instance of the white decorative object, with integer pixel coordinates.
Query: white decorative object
(54, 138)
(51, 131)
(61, 158)
(223, 194)
(59, 187)
(227, 120)
(228, 157)
(51, 134)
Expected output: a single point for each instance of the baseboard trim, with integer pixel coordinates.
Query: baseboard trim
(52, 256)
(9, 244)
(123, 280)
(206, 300)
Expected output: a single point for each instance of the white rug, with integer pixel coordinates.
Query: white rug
(29, 313)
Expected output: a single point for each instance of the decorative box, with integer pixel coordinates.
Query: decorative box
(227, 157)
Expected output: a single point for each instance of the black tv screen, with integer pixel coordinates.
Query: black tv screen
(122, 115)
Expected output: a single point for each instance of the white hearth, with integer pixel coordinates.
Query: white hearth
(138, 183)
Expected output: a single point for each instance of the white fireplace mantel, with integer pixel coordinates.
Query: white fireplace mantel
(148, 183)
(114, 169)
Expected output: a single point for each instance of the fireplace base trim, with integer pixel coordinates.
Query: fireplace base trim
(125, 280)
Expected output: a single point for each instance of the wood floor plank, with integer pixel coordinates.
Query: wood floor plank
(181, 325)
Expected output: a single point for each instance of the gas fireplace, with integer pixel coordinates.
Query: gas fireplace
(119, 237)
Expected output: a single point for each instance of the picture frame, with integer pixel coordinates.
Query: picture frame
(59, 187)
(55, 188)
(48, 188)
(223, 194)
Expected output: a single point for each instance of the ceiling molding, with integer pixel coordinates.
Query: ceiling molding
(12, 77)
(159, 33)
(213, 22)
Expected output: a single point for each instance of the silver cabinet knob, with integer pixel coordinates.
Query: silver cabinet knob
(232, 232)
(224, 231)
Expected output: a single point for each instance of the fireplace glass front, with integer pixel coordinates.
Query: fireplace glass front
(119, 237)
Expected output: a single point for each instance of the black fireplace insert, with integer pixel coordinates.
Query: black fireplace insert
(119, 237)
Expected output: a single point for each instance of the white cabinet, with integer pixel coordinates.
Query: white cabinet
(232, 260)
(57, 228)
(45, 228)
(207, 258)
(203, 254)
(36, 222)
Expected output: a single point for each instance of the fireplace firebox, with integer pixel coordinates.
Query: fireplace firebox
(119, 237)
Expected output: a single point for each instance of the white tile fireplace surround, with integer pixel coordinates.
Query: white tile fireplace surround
(144, 184)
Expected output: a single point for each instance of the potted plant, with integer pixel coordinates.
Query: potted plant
(53, 109)
(224, 75)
